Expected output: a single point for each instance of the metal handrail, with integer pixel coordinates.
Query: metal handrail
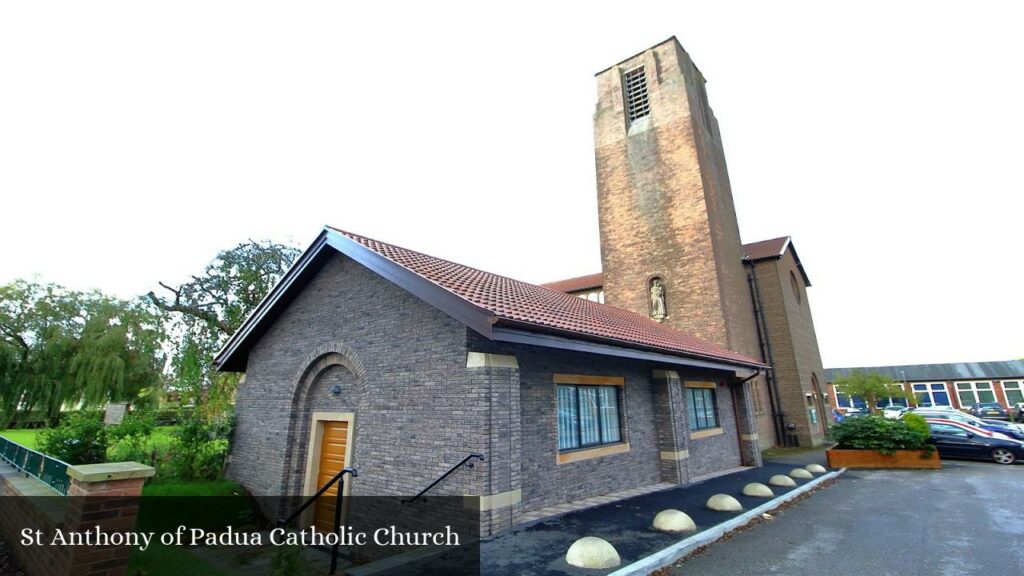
(466, 461)
(339, 478)
(46, 469)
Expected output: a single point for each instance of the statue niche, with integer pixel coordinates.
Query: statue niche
(657, 292)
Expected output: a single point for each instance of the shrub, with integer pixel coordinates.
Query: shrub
(200, 449)
(878, 433)
(80, 439)
(128, 439)
(918, 424)
(171, 416)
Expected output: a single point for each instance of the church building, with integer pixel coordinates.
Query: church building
(687, 355)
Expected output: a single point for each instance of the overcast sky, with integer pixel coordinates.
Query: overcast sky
(137, 139)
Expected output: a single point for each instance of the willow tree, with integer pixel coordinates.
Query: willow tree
(205, 311)
(61, 349)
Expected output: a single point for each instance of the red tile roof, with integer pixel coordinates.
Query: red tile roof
(534, 308)
(588, 282)
(765, 249)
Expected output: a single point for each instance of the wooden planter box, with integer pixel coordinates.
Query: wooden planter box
(875, 459)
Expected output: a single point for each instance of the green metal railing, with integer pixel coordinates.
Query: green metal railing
(50, 471)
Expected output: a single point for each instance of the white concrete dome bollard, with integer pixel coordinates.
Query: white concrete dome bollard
(592, 552)
(780, 480)
(757, 489)
(672, 520)
(724, 503)
(815, 468)
(801, 474)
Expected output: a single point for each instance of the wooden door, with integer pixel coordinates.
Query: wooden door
(333, 449)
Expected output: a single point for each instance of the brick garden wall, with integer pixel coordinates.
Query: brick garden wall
(110, 504)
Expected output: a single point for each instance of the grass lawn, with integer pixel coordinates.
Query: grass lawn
(208, 504)
(159, 441)
(194, 488)
(25, 437)
(160, 560)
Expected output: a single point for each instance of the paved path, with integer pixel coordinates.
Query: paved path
(959, 521)
(539, 549)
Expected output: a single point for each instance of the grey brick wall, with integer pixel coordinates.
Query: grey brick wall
(401, 367)
(400, 364)
(721, 452)
(546, 483)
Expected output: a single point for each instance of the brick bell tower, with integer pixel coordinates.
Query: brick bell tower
(667, 221)
(670, 242)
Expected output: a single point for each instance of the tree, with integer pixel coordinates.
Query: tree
(869, 385)
(204, 312)
(60, 348)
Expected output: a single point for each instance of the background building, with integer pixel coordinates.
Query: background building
(960, 385)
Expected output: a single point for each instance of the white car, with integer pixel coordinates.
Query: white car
(894, 411)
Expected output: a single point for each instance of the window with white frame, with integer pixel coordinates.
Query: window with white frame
(1014, 392)
(844, 401)
(588, 416)
(890, 401)
(971, 393)
(931, 394)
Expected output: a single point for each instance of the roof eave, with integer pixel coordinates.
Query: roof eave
(473, 316)
(787, 246)
(228, 359)
(232, 357)
(524, 333)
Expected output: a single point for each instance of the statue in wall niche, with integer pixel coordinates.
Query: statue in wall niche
(658, 299)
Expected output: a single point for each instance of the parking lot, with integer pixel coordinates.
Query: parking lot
(964, 519)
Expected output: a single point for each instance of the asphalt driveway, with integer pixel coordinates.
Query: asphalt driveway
(962, 520)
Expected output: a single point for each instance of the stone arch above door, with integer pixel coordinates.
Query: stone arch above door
(334, 360)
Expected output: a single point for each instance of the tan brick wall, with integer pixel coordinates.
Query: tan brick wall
(763, 413)
(665, 205)
(794, 344)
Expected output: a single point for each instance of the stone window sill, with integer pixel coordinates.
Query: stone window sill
(597, 452)
(697, 434)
